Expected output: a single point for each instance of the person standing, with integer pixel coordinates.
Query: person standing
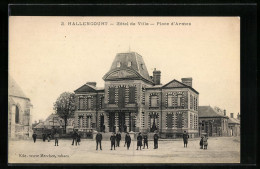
(185, 138)
(201, 142)
(127, 140)
(98, 140)
(205, 142)
(49, 137)
(34, 136)
(155, 140)
(139, 141)
(43, 137)
(56, 137)
(118, 139)
(145, 141)
(113, 139)
(78, 138)
(74, 137)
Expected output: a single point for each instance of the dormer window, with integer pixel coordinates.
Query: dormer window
(142, 66)
(118, 64)
(129, 64)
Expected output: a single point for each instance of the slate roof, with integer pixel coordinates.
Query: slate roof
(14, 89)
(137, 64)
(89, 88)
(233, 121)
(207, 111)
(40, 125)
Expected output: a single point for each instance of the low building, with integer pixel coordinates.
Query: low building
(234, 125)
(212, 121)
(19, 112)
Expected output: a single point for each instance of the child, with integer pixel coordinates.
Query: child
(205, 142)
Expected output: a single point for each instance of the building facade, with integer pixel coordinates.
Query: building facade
(19, 112)
(234, 125)
(131, 100)
(213, 121)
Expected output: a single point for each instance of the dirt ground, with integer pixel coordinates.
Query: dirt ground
(220, 150)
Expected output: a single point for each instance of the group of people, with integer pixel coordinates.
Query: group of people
(76, 137)
(115, 138)
(48, 137)
(204, 142)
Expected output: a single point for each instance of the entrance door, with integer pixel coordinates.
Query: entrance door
(131, 122)
(121, 118)
(101, 123)
(121, 97)
(112, 122)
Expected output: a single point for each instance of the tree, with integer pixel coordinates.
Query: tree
(65, 106)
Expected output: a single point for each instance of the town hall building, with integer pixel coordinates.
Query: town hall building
(132, 100)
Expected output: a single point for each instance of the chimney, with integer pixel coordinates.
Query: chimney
(225, 112)
(92, 83)
(238, 116)
(231, 115)
(157, 77)
(187, 81)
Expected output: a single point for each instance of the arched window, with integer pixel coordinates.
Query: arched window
(17, 114)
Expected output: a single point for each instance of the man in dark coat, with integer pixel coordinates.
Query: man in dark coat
(139, 141)
(34, 136)
(145, 141)
(155, 140)
(98, 140)
(127, 140)
(78, 139)
(201, 142)
(74, 137)
(43, 137)
(118, 139)
(56, 137)
(185, 138)
(113, 141)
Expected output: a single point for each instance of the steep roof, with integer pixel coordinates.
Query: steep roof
(14, 89)
(137, 66)
(88, 88)
(233, 121)
(207, 111)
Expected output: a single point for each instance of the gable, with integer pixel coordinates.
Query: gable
(174, 83)
(85, 88)
(121, 74)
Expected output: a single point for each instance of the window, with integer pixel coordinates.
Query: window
(170, 101)
(80, 121)
(88, 121)
(118, 64)
(112, 95)
(169, 120)
(154, 101)
(129, 64)
(102, 102)
(142, 66)
(131, 94)
(16, 114)
(179, 120)
(89, 103)
(81, 104)
(179, 100)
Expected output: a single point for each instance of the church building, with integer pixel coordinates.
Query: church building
(132, 100)
(19, 112)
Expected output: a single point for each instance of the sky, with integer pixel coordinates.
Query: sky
(47, 57)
